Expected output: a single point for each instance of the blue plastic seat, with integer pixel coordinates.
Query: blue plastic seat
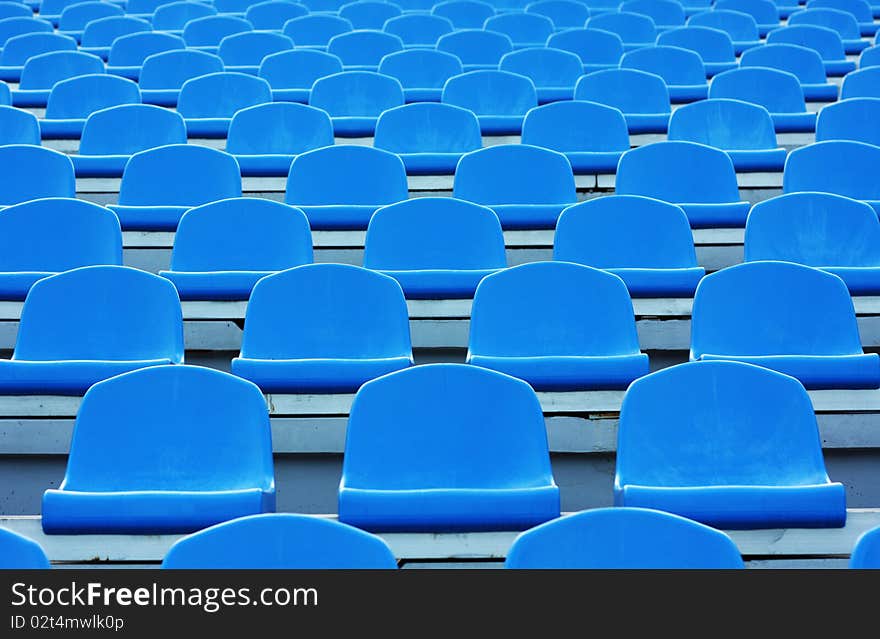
(41, 72)
(499, 99)
(18, 126)
(206, 33)
(369, 14)
(75, 17)
(15, 10)
(738, 312)
(526, 186)
(291, 74)
(635, 30)
(870, 57)
(342, 186)
(144, 8)
(421, 72)
(554, 72)
(208, 102)
(18, 552)
(859, 9)
(728, 444)
(51, 10)
(824, 41)
(666, 14)
(741, 27)
(777, 91)
(42, 237)
(477, 49)
(323, 328)
(355, 99)
(841, 21)
(464, 14)
(523, 29)
(742, 129)
(234, 7)
(645, 242)
(429, 137)
(583, 344)
(642, 97)
(84, 325)
(854, 119)
(128, 53)
(99, 35)
(222, 249)
(565, 14)
(418, 29)
(699, 178)
(713, 46)
(295, 128)
(681, 69)
(802, 62)
(462, 448)
(245, 51)
(623, 538)
(11, 27)
(32, 172)
(163, 74)
(363, 49)
(864, 83)
(280, 541)
(273, 14)
(866, 551)
(316, 30)
(194, 449)
(765, 12)
(189, 176)
(435, 247)
(73, 100)
(5, 94)
(596, 49)
(830, 232)
(414, 6)
(842, 167)
(323, 6)
(19, 49)
(591, 135)
(174, 15)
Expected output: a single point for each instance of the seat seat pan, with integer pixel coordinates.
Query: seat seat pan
(817, 372)
(660, 282)
(860, 280)
(430, 163)
(716, 214)
(337, 375)
(569, 373)
(214, 285)
(148, 218)
(339, 216)
(99, 165)
(528, 216)
(268, 165)
(14, 285)
(439, 283)
(63, 377)
(759, 160)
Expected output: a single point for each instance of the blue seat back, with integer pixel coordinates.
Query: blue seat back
(491, 92)
(732, 125)
(356, 93)
(145, 7)
(174, 15)
(75, 17)
(170, 69)
(824, 41)
(777, 91)
(296, 128)
(843, 167)
(364, 47)
(232, 6)
(250, 47)
(546, 67)
(662, 12)
(860, 9)
(630, 27)
(54, 8)
(273, 14)
(674, 64)
(421, 68)
(104, 31)
(316, 29)
(570, 126)
(15, 10)
(18, 552)
(475, 46)
(864, 83)
(220, 95)
(369, 14)
(81, 96)
(428, 127)
(18, 126)
(765, 12)
(418, 28)
(210, 30)
(521, 27)
(629, 90)
(712, 45)
(131, 128)
(20, 48)
(323, 6)
(565, 14)
(854, 119)
(592, 46)
(11, 27)
(464, 14)
(802, 62)
(870, 57)
(740, 26)
(298, 69)
(132, 50)
(44, 70)
(866, 552)
(841, 21)
(32, 172)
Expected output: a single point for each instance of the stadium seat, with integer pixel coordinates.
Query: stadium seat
(699, 178)
(206, 33)
(190, 176)
(11, 27)
(866, 551)
(98, 35)
(41, 72)
(435, 247)
(192, 447)
(51, 10)
(355, 99)
(623, 538)
(429, 137)
(208, 102)
(282, 541)
(592, 136)
(681, 69)
(666, 14)
(802, 62)
(316, 30)
(110, 136)
(499, 99)
(854, 119)
(764, 12)
(841, 21)
(174, 15)
(565, 14)
(22, 47)
(554, 72)
(587, 341)
(741, 27)
(323, 328)
(779, 92)
(842, 167)
(526, 186)
(144, 8)
(43, 237)
(291, 74)
(84, 325)
(369, 14)
(323, 6)
(477, 49)
(475, 457)
(523, 29)
(244, 52)
(18, 126)
(75, 17)
(18, 552)
(73, 100)
(296, 128)
(642, 97)
(15, 10)
(713, 46)
(33, 172)
(464, 14)
(421, 72)
(870, 57)
(635, 30)
(5, 94)
(738, 312)
(596, 49)
(824, 41)
(418, 29)
(829, 232)
(223, 248)
(128, 53)
(864, 83)
(645, 242)
(273, 14)
(234, 7)
(163, 74)
(728, 444)
(341, 186)
(741, 129)
(363, 50)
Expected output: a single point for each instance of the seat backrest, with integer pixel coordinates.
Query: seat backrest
(418, 28)
(662, 12)
(475, 46)
(273, 14)
(320, 311)
(15, 10)
(5, 94)
(18, 126)
(298, 69)
(864, 83)
(490, 92)
(81, 96)
(860, 9)
(346, 174)
(841, 21)
(145, 7)
(356, 93)
(464, 14)
(802, 62)
(101, 313)
(765, 12)
(731, 125)
(434, 233)
(54, 8)
(741, 310)
(316, 29)
(546, 67)
(185, 428)
(712, 45)
(250, 47)
(514, 174)
(421, 68)
(824, 41)
(280, 541)
(323, 6)
(174, 15)
(11, 27)
(364, 47)
(131, 128)
(428, 127)
(623, 538)
(20, 48)
(678, 172)
(133, 49)
(210, 30)
(592, 46)
(870, 57)
(674, 64)
(102, 32)
(575, 125)
(232, 6)
(33, 172)
(740, 26)
(866, 552)
(18, 552)
(458, 438)
(629, 90)
(631, 27)
(843, 167)
(369, 14)
(170, 69)
(44, 70)
(625, 231)
(521, 27)
(242, 234)
(220, 95)
(854, 119)
(565, 14)
(775, 90)
(296, 128)
(189, 175)
(75, 17)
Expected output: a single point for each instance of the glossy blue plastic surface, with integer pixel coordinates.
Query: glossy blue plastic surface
(210, 30)
(32, 172)
(355, 99)
(73, 100)
(464, 14)
(418, 29)
(18, 126)
(803, 62)
(864, 83)
(292, 73)
(853, 119)
(870, 57)
(500, 99)
(866, 551)
(316, 30)
(765, 12)
(272, 15)
(363, 49)
(554, 72)
(664, 13)
(369, 14)
(164, 73)
(682, 70)
(421, 72)
(41, 72)
(75, 17)
(565, 14)
(713, 46)
(208, 102)
(741, 27)
(20, 553)
(523, 29)
(245, 51)
(596, 49)
(841, 21)
(824, 41)
(642, 97)
(174, 15)
(100, 34)
(20, 48)
(635, 29)
(477, 49)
